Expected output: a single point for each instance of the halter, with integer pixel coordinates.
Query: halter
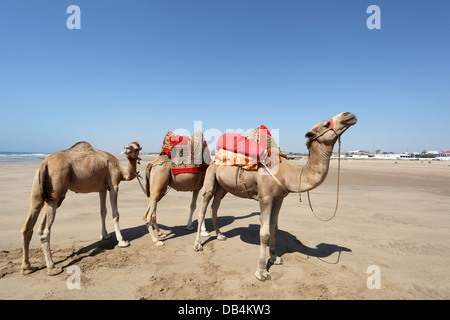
(339, 171)
(330, 128)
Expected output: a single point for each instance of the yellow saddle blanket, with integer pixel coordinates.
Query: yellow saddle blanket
(230, 158)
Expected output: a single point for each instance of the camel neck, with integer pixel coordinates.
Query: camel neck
(129, 171)
(314, 172)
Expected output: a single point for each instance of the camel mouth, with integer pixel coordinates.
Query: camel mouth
(349, 119)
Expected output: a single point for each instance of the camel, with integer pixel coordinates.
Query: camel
(82, 169)
(159, 176)
(270, 191)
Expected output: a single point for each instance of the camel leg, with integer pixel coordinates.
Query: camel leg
(103, 211)
(264, 235)
(150, 219)
(36, 204)
(159, 233)
(274, 259)
(201, 220)
(193, 206)
(44, 235)
(209, 187)
(113, 193)
(218, 196)
(150, 216)
(151, 209)
(158, 181)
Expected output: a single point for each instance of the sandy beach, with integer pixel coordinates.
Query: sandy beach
(391, 216)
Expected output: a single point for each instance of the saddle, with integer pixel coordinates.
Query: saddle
(247, 150)
(189, 154)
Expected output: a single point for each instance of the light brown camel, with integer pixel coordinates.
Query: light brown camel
(82, 169)
(159, 177)
(262, 186)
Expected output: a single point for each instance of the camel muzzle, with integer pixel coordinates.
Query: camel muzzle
(349, 118)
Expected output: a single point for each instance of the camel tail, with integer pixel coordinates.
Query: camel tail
(44, 183)
(147, 179)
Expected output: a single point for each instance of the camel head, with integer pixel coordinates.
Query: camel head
(327, 132)
(132, 149)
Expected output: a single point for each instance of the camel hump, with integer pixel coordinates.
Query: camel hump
(82, 145)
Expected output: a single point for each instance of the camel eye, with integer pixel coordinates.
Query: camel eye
(327, 125)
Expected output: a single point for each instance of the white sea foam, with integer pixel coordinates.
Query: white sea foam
(20, 157)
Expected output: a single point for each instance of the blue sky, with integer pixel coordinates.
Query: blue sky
(137, 69)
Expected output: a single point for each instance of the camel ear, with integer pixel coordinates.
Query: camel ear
(309, 135)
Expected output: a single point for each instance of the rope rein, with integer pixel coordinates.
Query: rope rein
(139, 177)
(276, 179)
(337, 192)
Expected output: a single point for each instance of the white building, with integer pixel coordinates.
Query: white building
(444, 155)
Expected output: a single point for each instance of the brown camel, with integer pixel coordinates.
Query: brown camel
(159, 176)
(263, 187)
(82, 169)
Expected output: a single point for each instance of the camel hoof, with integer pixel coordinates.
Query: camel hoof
(189, 228)
(262, 276)
(28, 270)
(162, 235)
(205, 234)
(54, 271)
(198, 247)
(277, 261)
(221, 237)
(158, 243)
(123, 244)
(105, 237)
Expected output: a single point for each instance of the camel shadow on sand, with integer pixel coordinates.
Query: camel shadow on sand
(102, 246)
(288, 243)
(139, 231)
(129, 234)
(285, 241)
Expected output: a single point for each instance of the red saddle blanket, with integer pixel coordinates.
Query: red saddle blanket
(246, 149)
(251, 144)
(237, 143)
(188, 153)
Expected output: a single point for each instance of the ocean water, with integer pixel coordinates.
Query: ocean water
(21, 157)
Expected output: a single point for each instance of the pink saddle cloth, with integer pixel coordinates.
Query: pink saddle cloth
(246, 150)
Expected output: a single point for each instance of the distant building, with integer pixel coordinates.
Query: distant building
(424, 155)
(443, 155)
(386, 156)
